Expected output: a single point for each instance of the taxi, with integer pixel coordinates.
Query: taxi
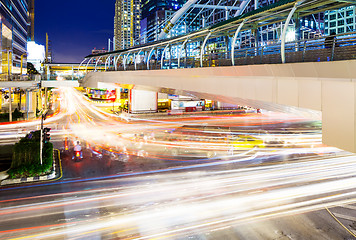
(246, 141)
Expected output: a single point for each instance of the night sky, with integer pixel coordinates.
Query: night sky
(74, 27)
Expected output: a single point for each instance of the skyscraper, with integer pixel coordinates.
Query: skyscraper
(340, 21)
(127, 23)
(156, 13)
(14, 34)
(31, 26)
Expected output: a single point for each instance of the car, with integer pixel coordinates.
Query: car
(247, 142)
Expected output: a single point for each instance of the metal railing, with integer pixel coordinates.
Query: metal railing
(340, 47)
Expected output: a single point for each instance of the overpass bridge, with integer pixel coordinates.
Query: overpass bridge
(317, 74)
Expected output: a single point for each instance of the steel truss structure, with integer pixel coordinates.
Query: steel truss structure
(180, 51)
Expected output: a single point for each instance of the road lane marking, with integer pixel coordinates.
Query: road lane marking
(337, 220)
(349, 207)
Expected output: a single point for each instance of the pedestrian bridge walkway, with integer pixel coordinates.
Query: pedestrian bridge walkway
(328, 87)
(315, 73)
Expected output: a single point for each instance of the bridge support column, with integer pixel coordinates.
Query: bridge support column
(142, 101)
(339, 114)
(30, 104)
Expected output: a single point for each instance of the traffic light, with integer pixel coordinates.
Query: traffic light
(46, 135)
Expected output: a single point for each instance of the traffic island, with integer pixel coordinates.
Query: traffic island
(55, 172)
(27, 165)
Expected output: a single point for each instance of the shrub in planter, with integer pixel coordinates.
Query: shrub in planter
(26, 157)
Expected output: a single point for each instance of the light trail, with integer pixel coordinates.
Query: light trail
(229, 189)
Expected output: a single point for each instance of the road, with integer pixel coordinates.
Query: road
(129, 186)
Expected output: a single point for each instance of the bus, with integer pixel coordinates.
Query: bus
(101, 94)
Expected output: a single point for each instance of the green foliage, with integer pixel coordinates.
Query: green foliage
(26, 157)
(15, 115)
(31, 69)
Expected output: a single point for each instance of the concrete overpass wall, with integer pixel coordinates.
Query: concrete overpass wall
(324, 86)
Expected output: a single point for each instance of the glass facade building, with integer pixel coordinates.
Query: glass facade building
(156, 13)
(340, 21)
(15, 21)
(127, 23)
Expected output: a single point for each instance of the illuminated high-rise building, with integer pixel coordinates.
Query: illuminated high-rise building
(340, 21)
(127, 23)
(155, 13)
(31, 26)
(15, 19)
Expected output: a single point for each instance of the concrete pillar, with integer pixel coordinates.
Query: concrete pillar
(30, 104)
(48, 73)
(142, 101)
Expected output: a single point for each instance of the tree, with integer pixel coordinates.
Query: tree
(31, 69)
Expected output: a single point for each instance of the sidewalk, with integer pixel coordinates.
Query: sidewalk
(3, 175)
(56, 173)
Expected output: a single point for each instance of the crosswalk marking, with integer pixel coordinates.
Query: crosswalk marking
(345, 217)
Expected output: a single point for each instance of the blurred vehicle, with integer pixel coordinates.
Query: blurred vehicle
(202, 141)
(101, 94)
(77, 156)
(66, 147)
(247, 142)
(77, 152)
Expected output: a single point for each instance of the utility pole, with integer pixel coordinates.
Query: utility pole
(41, 139)
(10, 105)
(9, 79)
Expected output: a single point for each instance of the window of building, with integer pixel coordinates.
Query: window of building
(333, 24)
(349, 20)
(341, 30)
(332, 17)
(349, 13)
(349, 29)
(341, 22)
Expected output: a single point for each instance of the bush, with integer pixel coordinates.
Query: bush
(4, 117)
(26, 157)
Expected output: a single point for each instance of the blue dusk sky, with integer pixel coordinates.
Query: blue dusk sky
(74, 27)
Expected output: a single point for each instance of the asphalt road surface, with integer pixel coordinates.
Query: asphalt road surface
(222, 183)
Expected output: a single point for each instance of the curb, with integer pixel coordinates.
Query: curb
(50, 176)
(156, 116)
